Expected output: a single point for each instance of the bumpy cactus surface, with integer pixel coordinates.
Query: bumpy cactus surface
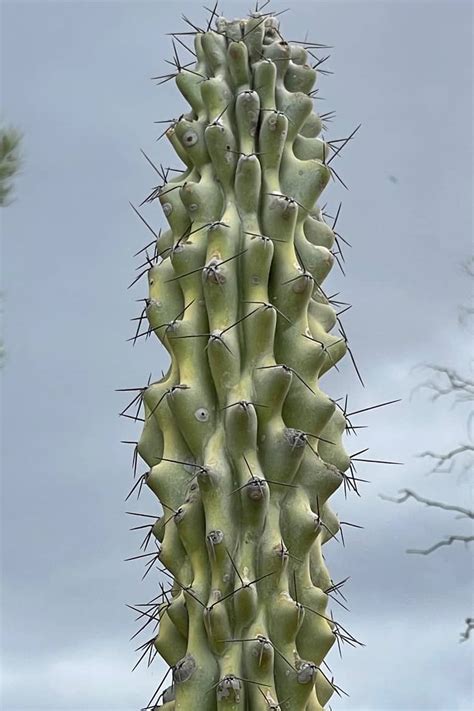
(243, 448)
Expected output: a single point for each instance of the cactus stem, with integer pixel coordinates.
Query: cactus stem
(245, 155)
(266, 305)
(238, 321)
(290, 200)
(252, 29)
(229, 678)
(234, 566)
(286, 368)
(184, 464)
(273, 706)
(281, 655)
(323, 347)
(244, 404)
(184, 588)
(277, 111)
(236, 151)
(303, 381)
(242, 587)
(167, 391)
(257, 234)
(208, 268)
(261, 483)
(188, 233)
(328, 441)
(306, 275)
(218, 118)
(170, 518)
(286, 553)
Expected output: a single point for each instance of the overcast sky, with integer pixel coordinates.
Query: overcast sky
(75, 80)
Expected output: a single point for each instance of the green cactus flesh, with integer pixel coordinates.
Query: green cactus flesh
(243, 448)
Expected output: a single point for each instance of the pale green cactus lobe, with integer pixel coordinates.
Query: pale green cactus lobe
(243, 448)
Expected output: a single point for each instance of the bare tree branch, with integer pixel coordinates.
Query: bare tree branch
(407, 494)
(465, 312)
(467, 631)
(10, 161)
(449, 458)
(452, 382)
(448, 382)
(465, 513)
(446, 542)
(468, 266)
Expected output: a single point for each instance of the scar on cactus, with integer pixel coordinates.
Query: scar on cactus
(243, 449)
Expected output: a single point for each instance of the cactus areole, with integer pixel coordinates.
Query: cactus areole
(242, 446)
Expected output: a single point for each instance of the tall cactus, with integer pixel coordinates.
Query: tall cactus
(243, 448)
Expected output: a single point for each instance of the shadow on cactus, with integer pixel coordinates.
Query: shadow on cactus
(243, 448)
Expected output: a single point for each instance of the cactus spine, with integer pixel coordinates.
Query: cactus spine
(243, 448)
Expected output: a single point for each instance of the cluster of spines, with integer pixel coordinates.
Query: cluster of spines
(243, 448)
